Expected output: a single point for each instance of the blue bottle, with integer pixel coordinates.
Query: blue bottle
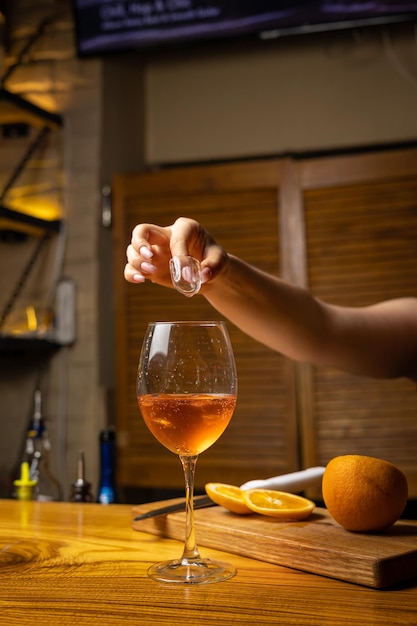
(107, 491)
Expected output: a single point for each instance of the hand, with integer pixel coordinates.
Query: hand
(152, 247)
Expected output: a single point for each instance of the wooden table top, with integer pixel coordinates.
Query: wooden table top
(81, 564)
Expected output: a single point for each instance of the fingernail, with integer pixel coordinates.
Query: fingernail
(145, 252)
(205, 274)
(147, 267)
(138, 278)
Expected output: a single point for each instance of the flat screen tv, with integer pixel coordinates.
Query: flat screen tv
(119, 25)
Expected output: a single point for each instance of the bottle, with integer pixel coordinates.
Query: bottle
(35, 429)
(106, 491)
(37, 454)
(81, 488)
(24, 485)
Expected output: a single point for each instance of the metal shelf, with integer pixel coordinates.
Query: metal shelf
(20, 346)
(11, 220)
(16, 110)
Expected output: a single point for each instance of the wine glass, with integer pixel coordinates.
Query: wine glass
(186, 390)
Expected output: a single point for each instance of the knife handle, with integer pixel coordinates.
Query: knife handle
(292, 482)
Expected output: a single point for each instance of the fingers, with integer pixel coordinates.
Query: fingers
(132, 275)
(152, 247)
(184, 240)
(138, 268)
(148, 235)
(189, 237)
(147, 240)
(148, 255)
(139, 264)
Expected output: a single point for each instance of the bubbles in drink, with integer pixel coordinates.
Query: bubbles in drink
(187, 423)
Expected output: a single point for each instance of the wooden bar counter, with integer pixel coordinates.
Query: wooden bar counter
(63, 563)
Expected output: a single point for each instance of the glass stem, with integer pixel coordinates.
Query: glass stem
(190, 547)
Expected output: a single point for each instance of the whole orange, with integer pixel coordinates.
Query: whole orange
(363, 493)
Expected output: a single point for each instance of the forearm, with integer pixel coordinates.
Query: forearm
(284, 317)
(378, 341)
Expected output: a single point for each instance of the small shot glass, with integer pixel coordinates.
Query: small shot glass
(185, 275)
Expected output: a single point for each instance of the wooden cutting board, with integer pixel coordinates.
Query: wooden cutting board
(317, 545)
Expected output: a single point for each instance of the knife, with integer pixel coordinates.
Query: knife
(292, 482)
(200, 502)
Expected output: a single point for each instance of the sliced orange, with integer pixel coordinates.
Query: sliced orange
(228, 496)
(286, 506)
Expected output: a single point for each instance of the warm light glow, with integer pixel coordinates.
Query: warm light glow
(42, 208)
(42, 100)
(31, 319)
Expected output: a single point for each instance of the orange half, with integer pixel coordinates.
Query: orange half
(228, 496)
(286, 506)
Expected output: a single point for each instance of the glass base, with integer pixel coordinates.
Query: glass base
(191, 572)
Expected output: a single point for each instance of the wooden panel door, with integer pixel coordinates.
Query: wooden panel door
(238, 204)
(361, 247)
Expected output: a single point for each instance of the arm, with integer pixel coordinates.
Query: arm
(379, 340)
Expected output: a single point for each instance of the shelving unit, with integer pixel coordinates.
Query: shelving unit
(17, 113)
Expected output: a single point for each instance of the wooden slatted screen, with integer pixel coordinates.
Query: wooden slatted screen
(347, 229)
(362, 248)
(239, 205)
